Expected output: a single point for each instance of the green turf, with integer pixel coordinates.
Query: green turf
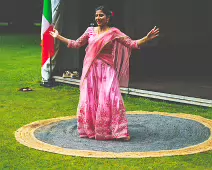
(3, 24)
(37, 24)
(20, 67)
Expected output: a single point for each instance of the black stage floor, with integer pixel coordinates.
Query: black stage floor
(199, 87)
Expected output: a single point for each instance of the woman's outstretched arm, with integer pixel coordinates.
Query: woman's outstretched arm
(82, 40)
(128, 42)
(55, 34)
(150, 36)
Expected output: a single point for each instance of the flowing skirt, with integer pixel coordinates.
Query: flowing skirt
(101, 110)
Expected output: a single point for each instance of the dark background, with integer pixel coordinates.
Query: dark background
(183, 48)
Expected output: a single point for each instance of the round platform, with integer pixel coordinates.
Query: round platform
(153, 134)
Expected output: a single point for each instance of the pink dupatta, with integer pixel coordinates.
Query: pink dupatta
(120, 55)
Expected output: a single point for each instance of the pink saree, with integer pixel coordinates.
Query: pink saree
(101, 110)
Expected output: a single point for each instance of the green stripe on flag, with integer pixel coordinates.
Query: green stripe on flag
(47, 10)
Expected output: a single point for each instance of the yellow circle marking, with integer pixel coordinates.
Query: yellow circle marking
(25, 136)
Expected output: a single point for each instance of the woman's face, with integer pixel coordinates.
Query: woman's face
(101, 18)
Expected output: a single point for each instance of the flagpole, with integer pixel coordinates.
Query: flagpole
(55, 9)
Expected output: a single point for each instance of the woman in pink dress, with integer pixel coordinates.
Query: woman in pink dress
(101, 110)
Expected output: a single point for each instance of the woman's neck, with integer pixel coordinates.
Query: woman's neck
(103, 28)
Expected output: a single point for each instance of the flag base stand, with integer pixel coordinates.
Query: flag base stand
(48, 84)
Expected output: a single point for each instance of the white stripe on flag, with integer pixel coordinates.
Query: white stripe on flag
(45, 71)
(45, 25)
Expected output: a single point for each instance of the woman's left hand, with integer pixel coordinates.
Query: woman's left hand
(153, 33)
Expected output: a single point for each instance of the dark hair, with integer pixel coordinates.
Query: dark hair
(106, 11)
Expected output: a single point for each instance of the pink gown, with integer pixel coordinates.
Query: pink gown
(101, 110)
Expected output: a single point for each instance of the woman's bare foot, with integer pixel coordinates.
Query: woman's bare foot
(127, 138)
(124, 139)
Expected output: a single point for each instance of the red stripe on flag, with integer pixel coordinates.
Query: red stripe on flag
(47, 45)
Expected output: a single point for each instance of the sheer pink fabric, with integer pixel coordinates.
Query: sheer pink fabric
(101, 111)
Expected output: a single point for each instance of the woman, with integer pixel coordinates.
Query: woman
(101, 111)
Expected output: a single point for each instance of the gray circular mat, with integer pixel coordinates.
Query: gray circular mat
(148, 132)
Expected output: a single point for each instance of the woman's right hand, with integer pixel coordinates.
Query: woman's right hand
(54, 33)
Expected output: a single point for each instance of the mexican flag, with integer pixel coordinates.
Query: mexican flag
(47, 41)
